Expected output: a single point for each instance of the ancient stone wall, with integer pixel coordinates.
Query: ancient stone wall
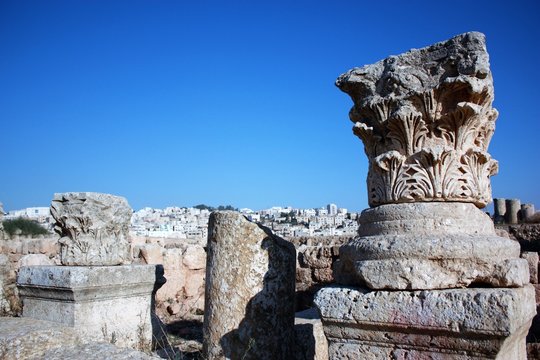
(21, 251)
(184, 261)
(528, 236)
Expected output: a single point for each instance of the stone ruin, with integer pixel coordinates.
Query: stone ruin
(249, 298)
(95, 291)
(93, 228)
(512, 212)
(427, 276)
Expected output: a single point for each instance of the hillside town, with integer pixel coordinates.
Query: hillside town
(192, 222)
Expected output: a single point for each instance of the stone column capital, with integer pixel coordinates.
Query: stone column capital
(426, 119)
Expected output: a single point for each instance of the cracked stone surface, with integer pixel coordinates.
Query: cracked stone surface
(451, 324)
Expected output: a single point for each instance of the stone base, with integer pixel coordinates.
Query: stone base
(103, 303)
(474, 323)
(424, 246)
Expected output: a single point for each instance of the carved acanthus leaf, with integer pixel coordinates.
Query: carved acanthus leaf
(407, 130)
(426, 120)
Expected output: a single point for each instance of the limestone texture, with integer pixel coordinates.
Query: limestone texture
(30, 339)
(102, 303)
(532, 262)
(94, 228)
(25, 338)
(479, 323)
(429, 246)
(426, 119)
(249, 299)
(310, 342)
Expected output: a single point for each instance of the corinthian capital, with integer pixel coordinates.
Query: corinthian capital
(426, 120)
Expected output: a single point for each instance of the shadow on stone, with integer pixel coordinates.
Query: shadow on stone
(266, 331)
(158, 327)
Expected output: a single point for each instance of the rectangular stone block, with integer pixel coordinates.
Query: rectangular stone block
(532, 260)
(103, 303)
(487, 323)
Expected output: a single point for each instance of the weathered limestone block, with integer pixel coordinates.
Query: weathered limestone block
(34, 259)
(31, 339)
(532, 261)
(94, 228)
(249, 299)
(429, 246)
(96, 351)
(174, 273)
(152, 254)
(103, 303)
(194, 257)
(478, 323)
(426, 121)
(310, 342)
(24, 338)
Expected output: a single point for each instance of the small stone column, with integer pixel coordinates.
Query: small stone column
(249, 298)
(527, 211)
(96, 291)
(410, 280)
(513, 206)
(499, 206)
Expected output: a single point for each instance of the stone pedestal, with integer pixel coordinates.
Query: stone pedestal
(442, 284)
(429, 246)
(474, 323)
(103, 303)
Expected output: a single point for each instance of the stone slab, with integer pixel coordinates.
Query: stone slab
(417, 274)
(474, 323)
(109, 303)
(532, 261)
(25, 338)
(28, 339)
(310, 342)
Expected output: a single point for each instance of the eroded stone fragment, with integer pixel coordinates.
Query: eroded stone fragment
(94, 228)
(249, 298)
(426, 121)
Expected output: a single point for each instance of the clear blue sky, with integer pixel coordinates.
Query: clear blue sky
(227, 102)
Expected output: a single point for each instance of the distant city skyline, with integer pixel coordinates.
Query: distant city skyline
(181, 103)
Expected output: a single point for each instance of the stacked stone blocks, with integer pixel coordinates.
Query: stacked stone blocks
(427, 276)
